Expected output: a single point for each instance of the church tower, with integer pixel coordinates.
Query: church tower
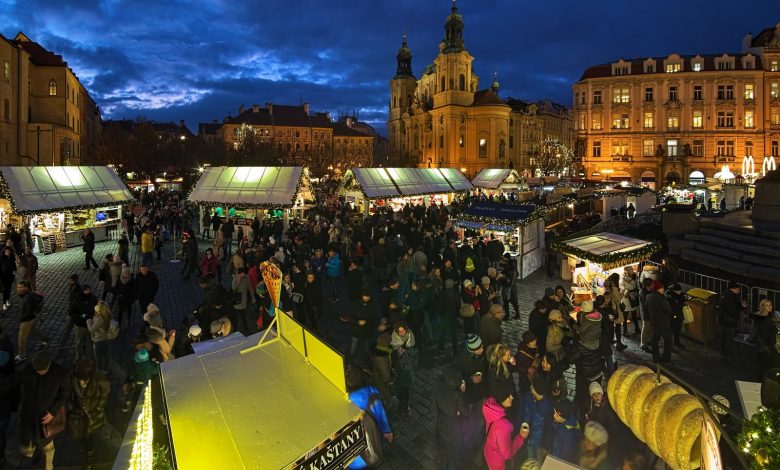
(402, 90)
(455, 81)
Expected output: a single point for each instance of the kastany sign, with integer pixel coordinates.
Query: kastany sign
(338, 452)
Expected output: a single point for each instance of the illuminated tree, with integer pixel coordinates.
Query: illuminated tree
(552, 158)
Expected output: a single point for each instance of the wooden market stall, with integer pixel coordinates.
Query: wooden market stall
(520, 227)
(56, 203)
(271, 400)
(500, 180)
(245, 192)
(367, 188)
(589, 260)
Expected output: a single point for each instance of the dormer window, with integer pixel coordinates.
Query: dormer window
(774, 65)
(724, 62)
(697, 63)
(672, 68)
(621, 68)
(748, 62)
(649, 66)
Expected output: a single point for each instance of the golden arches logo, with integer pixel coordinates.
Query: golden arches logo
(748, 166)
(768, 165)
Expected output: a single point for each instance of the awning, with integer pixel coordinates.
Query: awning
(57, 188)
(378, 183)
(607, 249)
(494, 178)
(502, 215)
(249, 186)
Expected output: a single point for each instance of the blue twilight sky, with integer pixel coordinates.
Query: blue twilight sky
(199, 60)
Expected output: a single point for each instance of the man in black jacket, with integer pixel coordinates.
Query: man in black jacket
(147, 284)
(365, 313)
(731, 306)
(646, 335)
(661, 316)
(89, 247)
(45, 390)
(83, 310)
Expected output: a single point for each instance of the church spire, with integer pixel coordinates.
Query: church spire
(453, 31)
(494, 86)
(404, 60)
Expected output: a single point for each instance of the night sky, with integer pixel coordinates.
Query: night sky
(199, 60)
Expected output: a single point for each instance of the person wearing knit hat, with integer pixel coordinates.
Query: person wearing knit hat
(598, 408)
(528, 337)
(474, 343)
(658, 286)
(472, 363)
(194, 332)
(595, 435)
(594, 446)
(485, 281)
(467, 283)
(142, 355)
(595, 387)
(566, 431)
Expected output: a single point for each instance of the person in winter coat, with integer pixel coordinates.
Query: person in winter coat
(312, 301)
(556, 334)
(355, 280)
(86, 407)
(566, 432)
(490, 325)
(472, 364)
(405, 358)
(599, 409)
(98, 327)
(630, 307)
(509, 275)
(469, 296)
(124, 248)
(646, 337)
(418, 302)
(526, 360)
(147, 246)
(9, 397)
(147, 284)
(368, 399)
(730, 310)
(365, 313)
(501, 366)
(661, 314)
(125, 294)
(88, 238)
(45, 388)
(500, 446)
(7, 274)
(537, 411)
(211, 266)
(538, 320)
(84, 309)
(676, 299)
(243, 307)
(593, 450)
(448, 316)
(451, 415)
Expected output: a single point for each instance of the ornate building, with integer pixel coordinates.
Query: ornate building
(47, 115)
(680, 118)
(444, 119)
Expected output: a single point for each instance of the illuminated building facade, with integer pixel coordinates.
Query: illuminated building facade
(680, 118)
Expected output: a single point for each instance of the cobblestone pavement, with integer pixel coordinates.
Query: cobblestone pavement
(415, 444)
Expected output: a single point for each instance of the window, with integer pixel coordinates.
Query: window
(620, 147)
(620, 95)
(774, 117)
(596, 121)
(460, 141)
(483, 148)
(596, 148)
(649, 121)
(673, 122)
(749, 91)
(774, 66)
(6, 70)
(697, 66)
(581, 121)
(724, 65)
(620, 71)
(698, 120)
(774, 91)
(7, 109)
(725, 92)
(672, 93)
(443, 83)
(775, 152)
(749, 119)
(749, 148)
(648, 148)
(441, 141)
(297, 134)
(725, 148)
(462, 82)
(597, 97)
(725, 119)
(52, 87)
(671, 68)
(730, 147)
(697, 93)
(720, 148)
(698, 147)
(620, 121)
(649, 68)
(648, 94)
(511, 141)
(671, 148)
(583, 98)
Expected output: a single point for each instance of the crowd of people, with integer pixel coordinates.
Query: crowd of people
(409, 291)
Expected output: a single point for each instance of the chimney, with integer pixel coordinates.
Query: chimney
(255, 108)
(747, 42)
(241, 109)
(306, 108)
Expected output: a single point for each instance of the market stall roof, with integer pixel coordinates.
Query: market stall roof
(494, 178)
(249, 186)
(607, 249)
(57, 188)
(262, 409)
(501, 216)
(399, 182)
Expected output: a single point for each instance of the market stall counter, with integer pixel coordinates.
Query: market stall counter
(520, 227)
(56, 203)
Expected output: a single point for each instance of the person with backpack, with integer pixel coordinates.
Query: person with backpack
(32, 304)
(375, 421)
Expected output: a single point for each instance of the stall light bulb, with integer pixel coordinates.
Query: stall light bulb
(747, 446)
(768, 429)
(754, 435)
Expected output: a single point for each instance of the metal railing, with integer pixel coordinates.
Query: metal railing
(620, 221)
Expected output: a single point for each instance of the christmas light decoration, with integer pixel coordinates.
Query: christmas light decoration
(759, 440)
(608, 260)
(142, 456)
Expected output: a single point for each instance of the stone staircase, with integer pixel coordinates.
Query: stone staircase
(734, 245)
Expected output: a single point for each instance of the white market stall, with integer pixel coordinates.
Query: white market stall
(592, 258)
(245, 192)
(56, 203)
(520, 227)
(366, 188)
(499, 179)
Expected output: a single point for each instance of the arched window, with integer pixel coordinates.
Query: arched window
(52, 87)
(443, 84)
(462, 82)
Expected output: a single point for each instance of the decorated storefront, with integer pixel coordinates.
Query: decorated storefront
(498, 180)
(589, 260)
(520, 227)
(245, 192)
(366, 189)
(56, 203)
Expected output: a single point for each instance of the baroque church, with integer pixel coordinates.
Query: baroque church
(443, 119)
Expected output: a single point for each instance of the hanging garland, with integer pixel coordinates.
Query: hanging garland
(537, 213)
(609, 260)
(759, 438)
(233, 204)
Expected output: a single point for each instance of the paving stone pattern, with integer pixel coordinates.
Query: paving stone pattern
(415, 443)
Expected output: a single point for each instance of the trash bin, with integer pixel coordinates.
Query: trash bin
(705, 326)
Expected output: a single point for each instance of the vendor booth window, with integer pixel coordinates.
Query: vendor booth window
(482, 148)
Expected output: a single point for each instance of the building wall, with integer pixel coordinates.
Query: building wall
(711, 130)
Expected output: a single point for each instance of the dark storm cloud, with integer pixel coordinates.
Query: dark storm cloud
(199, 60)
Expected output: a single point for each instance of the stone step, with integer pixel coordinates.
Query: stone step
(738, 255)
(762, 250)
(743, 226)
(740, 237)
(741, 268)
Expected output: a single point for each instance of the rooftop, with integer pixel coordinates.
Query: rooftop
(637, 65)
